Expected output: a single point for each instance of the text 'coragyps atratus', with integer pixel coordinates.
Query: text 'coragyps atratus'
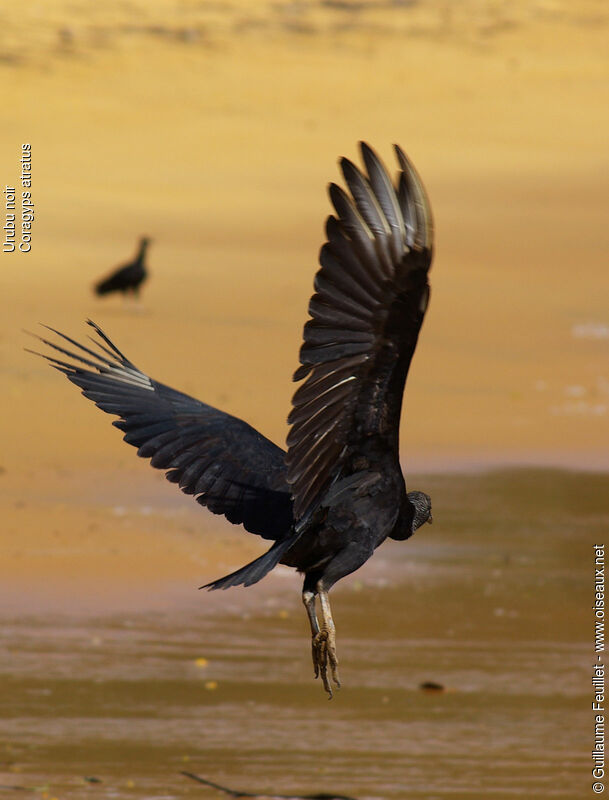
(129, 277)
(338, 492)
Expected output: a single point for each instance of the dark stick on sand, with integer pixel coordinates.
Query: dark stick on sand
(265, 796)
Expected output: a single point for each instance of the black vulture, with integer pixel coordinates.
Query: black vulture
(129, 277)
(338, 492)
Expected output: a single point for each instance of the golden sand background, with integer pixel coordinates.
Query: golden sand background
(214, 128)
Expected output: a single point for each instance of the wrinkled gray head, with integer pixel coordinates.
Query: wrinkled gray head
(422, 509)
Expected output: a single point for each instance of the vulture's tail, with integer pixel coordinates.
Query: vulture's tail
(255, 570)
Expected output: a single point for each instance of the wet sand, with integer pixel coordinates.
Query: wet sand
(490, 602)
(214, 129)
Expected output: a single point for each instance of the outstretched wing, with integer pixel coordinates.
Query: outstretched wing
(370, 297)
(230, 467)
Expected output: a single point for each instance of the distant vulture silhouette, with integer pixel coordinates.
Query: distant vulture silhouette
(129, 277)
(338, 492)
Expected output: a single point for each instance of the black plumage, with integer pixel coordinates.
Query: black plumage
(338, 492)
(129, 277)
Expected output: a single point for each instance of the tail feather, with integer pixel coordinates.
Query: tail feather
(255, 570)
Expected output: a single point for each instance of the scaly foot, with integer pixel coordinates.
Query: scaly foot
(323, 649)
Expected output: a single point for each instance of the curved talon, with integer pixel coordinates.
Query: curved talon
(333, 658)
(334, 667)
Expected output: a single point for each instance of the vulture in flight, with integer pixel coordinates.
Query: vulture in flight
(337, 492)
(129, 277)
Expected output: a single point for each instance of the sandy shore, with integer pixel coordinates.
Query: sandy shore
(215, 131)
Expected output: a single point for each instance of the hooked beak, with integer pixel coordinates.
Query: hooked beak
(430, 519)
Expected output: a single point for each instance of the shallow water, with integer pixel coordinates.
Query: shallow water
(492, 602)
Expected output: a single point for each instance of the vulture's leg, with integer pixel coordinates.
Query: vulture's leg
(324, 644)
(308, 598)
(328, 625)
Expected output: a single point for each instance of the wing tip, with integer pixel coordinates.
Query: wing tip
(424, 236)
(301, 372)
